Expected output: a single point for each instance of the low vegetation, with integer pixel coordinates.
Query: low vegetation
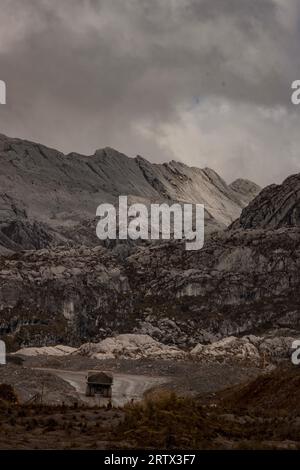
(262, 414)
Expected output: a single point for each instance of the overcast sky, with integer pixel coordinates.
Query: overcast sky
(206, 82)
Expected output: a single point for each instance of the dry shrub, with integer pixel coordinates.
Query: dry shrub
(164, 420)
(276, 394)
(8, 394)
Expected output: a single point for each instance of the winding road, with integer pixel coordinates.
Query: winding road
(126, 387)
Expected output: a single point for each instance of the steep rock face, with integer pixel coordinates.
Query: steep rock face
(62, 296)
(242, 282)
(178, 182)
(20, 234)
(62, 192)
(276, 206)
(238, 283)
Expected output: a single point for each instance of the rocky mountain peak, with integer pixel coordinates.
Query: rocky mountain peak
(40, 185)
(276, 206)
(245, 189)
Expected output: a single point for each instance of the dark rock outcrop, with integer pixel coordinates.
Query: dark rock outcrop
(276, 206)
(242, 282)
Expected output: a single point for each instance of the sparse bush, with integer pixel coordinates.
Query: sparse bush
(8, 394)
(164, 420)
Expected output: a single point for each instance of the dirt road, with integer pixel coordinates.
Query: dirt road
(126, 387)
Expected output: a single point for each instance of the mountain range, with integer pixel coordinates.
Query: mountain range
(59, 286)
(46, 197)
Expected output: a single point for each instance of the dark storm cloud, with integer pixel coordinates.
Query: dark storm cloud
(153, 78)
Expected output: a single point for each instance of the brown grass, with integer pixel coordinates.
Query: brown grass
(164, 420)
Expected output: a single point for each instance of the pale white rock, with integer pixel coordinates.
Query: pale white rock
(277, 347)
(68, 310)
(133, 346)
(59, 350)
(227, 348)
(57, 270)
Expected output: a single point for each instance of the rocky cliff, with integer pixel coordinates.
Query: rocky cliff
(241, 282)
(276, 206)
(47, 197)
(244, 281)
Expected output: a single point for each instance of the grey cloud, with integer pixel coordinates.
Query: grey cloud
(88, 73)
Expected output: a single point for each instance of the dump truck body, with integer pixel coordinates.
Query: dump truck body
(99, 383)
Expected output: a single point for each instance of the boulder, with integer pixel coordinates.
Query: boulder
(230, 348)
(131, 346)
